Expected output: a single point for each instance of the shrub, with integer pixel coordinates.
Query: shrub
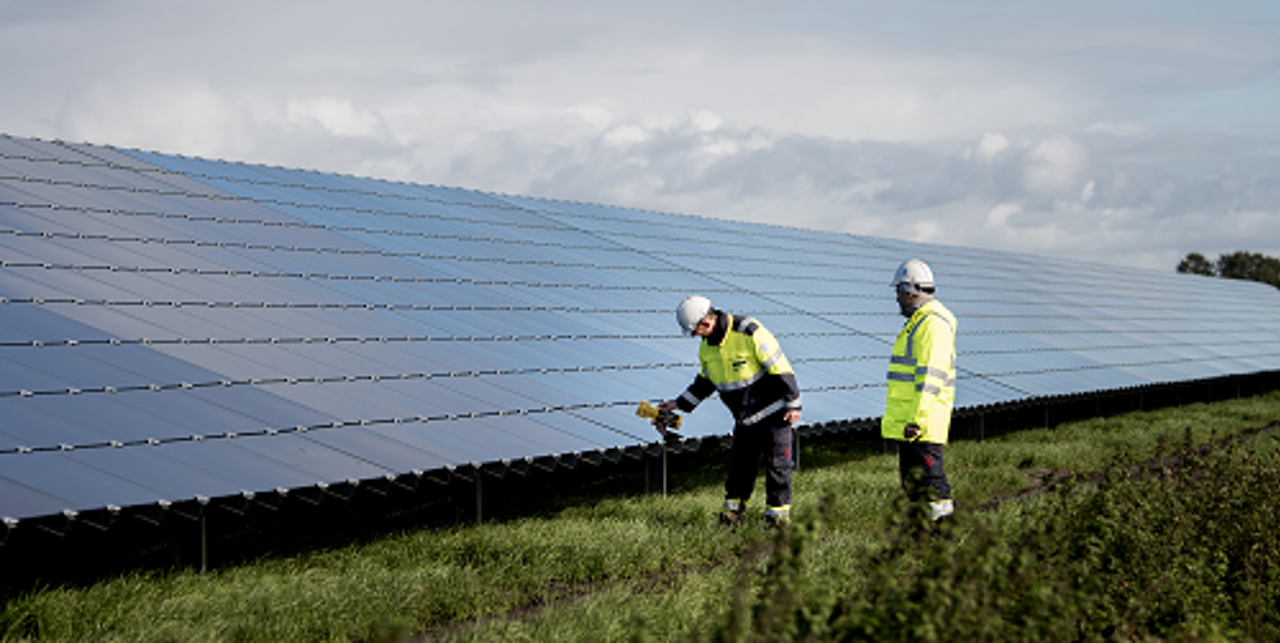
(1182, 549)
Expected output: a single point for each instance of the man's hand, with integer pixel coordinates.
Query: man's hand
(792, 416)
(911, 432)
(667, 406)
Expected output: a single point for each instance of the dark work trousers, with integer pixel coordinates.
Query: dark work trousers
(927, 457)
(768, 441)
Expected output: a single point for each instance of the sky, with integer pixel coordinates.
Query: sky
(1127, 133)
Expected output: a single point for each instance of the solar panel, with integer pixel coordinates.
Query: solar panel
(177, 330)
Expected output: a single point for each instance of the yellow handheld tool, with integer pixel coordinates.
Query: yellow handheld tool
(667, 419)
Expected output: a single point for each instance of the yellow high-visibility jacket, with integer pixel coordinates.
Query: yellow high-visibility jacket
(922, 375)
(742, 361)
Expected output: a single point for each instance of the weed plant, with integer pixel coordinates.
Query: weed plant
(1182, 550)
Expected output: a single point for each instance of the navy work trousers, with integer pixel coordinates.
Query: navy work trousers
(769, 442)
(927, 457)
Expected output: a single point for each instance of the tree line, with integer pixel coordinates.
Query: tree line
(1252, 266)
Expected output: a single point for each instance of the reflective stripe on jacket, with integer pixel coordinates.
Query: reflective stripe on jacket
(744, 363)
(922, 375)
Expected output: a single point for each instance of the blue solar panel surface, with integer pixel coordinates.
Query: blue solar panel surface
(178, 329)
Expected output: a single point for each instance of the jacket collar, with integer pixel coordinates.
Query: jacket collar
(920, 303)
(723, 321)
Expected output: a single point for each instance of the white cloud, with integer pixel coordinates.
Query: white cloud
(1054, 165)
(999, 215)
(335, 115)
(990, 145)
(625, 136)
(594, 115)
(705, 121)
(187, 113)
(1072, 129)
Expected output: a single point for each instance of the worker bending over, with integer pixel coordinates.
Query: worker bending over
(742, 361)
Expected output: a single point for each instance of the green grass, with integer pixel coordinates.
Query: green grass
(614, 569)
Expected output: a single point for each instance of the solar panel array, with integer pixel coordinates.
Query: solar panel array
(179, 331)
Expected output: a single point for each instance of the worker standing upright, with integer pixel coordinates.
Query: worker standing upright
(742, 361)
(922, 388)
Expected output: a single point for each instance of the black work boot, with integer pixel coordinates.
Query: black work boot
(732, 513)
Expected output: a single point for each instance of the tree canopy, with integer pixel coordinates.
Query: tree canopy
(1252, 266)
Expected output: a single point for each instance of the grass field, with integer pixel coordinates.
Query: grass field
(606, 569)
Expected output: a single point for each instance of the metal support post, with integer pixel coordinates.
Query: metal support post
(655, 472)
(204, 541)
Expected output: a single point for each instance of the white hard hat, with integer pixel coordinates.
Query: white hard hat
(914, 272)
(691, 311)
